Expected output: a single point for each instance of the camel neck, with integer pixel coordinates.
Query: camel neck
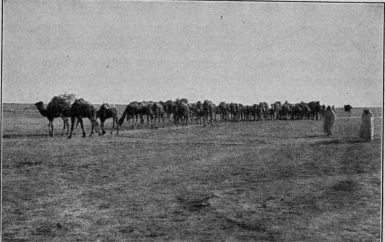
(42, 111)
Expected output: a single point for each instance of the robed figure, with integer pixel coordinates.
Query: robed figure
(367, 127)
(330, 117)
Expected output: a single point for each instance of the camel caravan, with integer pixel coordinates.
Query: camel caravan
(178, 112)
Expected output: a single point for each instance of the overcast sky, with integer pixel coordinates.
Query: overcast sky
(247, 52)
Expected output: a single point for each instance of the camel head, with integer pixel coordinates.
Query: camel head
(40, 107)
(39, 104)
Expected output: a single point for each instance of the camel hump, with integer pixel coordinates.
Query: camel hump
(59, 101)
(105, 106)
(81, 101)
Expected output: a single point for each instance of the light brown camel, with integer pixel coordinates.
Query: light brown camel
(132, 110)
(158, 113)
(107, 111)
(83, 109)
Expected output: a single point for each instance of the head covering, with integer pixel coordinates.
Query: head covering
(366, 111)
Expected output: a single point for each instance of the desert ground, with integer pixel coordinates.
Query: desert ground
(238, 181)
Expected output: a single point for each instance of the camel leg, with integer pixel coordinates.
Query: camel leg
(92, 126)
(113, 124)
(72, 126)
(163, 120)
(67, 125)
(96, 126)
(157, 118)
(64, 126)
(102, 125)
(117, 126)
(76, 127)
(50, 128)
(77, 124)
(81, 126)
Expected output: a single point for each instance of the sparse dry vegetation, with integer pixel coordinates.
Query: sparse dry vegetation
(246, 181)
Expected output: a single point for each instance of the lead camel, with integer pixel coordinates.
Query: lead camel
(58, 107)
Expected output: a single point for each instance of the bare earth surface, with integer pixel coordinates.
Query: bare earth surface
(246, 181)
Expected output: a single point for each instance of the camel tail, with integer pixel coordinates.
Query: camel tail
(121, 120)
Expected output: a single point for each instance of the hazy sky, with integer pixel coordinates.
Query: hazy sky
(119, 51)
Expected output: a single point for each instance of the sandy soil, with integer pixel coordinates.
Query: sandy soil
(246, 181)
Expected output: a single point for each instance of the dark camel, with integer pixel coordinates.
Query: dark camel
(82, 109)
(181, 112)
(208, 112)
(157, 112)
(57, 107)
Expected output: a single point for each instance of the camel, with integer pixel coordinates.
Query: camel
(272, 112)
(286, 110)
(305, 110)
(234, 111)
(224, 111)
(297, 111)
(167, 106)
(197, 110)
(217, 112)
(315, 109)
(181, 112)
(83, 109)
(158, 112)
(257, 112)
(241, 111)
(57, 107)
(132, 109)
(105, 112)
(348, 109)
(145, 109)
(277, 106)
(208, 112)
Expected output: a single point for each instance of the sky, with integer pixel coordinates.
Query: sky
(244, 52)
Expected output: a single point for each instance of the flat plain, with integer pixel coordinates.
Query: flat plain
(239, 181)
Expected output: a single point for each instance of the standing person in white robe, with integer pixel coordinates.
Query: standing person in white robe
(367, 127)
(329, 120)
